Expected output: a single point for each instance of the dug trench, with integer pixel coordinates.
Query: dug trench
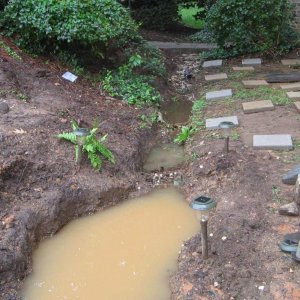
(42, 190)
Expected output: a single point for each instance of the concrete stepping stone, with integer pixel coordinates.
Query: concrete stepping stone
(252, 61)
(219, 76)
(218, 95)
(257, 106)
(243, 68)
(297, 104)
(290, 62)
(291, 86)
(273, 142)
(212, 63)
(293, 95)
(214, 122)
(254, 83)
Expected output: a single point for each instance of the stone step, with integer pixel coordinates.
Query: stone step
(297, 104)
(252, 61)
(291, 86)
(257, 106)
(214, 122)
(290, 62)
(249, 84)
(212, 63)
(293, 95)
(218, 95)
(283, 77)
(243, 68)
(219, 76)
(273, 142)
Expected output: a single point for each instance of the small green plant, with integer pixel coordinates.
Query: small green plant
(92, 146)
(197, 113)
(188, 16)
(133, 88)
(184, 135)
(240, 75)
(235, 136)
(10, 51)
(276, 193)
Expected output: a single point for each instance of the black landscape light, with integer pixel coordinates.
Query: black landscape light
(81, 134)
(226, 126)
(203, 206)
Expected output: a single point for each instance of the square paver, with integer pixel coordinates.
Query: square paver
(273, 142)
(252, 61)
(254, 83)
(219, 76)
(243, 68)
(214, 123)
(297, 104)
(218, 95)
(290, 62)
(291, 86)
(257, 106)
(293, 95)
(212, 63)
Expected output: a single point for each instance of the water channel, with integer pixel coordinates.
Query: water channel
(125, 252)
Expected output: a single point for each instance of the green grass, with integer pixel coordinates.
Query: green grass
(278, 97)
(187, 17)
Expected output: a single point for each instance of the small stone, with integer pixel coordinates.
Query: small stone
(218, 95)
(211, 234)
(254, 83)
(243, 68)
(252, 61)
(291, 176)
(291, 209)
(224, 238)
(212, 63)
(291, 86)
(297, 191)
(4, 108)
(216, 284)
(290, 62)
(261, 288)
(219, 76)
(257, 106)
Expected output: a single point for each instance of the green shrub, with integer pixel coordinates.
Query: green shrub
(51, 25)
(243, 26)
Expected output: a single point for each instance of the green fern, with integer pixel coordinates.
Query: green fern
(93, 147)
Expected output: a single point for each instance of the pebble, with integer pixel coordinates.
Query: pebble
(211, 234)
(216, 284)
(261, 288)
(224, 238)
(4, 108)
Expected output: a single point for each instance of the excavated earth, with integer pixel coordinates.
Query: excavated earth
(41, 189)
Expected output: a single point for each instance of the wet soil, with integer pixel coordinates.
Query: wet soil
(41, 190)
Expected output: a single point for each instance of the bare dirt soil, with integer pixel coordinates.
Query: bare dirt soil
(41, 189)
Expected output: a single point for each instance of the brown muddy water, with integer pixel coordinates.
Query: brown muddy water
(125, 252)
(164, 156)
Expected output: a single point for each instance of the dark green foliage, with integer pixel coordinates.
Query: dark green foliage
(243, 26)
(3, 3)
(126, 83)
(50, 25)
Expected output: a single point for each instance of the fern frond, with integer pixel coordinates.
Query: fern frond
(95, 160)
(105, 152)
(68, 136)
(74, 125)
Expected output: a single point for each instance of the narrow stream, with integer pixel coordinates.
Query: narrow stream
(126, 252)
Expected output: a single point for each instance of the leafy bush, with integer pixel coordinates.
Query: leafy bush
(243, 26)
(132, 87)
(3, 3)
(51, 25)
(92, 146)
(184, 134)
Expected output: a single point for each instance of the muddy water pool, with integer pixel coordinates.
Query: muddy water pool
(125, 252)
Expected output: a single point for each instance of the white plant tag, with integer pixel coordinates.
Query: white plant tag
(69, 76)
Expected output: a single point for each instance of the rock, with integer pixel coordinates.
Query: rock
(291, 176)
(4, 108)
(291, 209)
(297, 191)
